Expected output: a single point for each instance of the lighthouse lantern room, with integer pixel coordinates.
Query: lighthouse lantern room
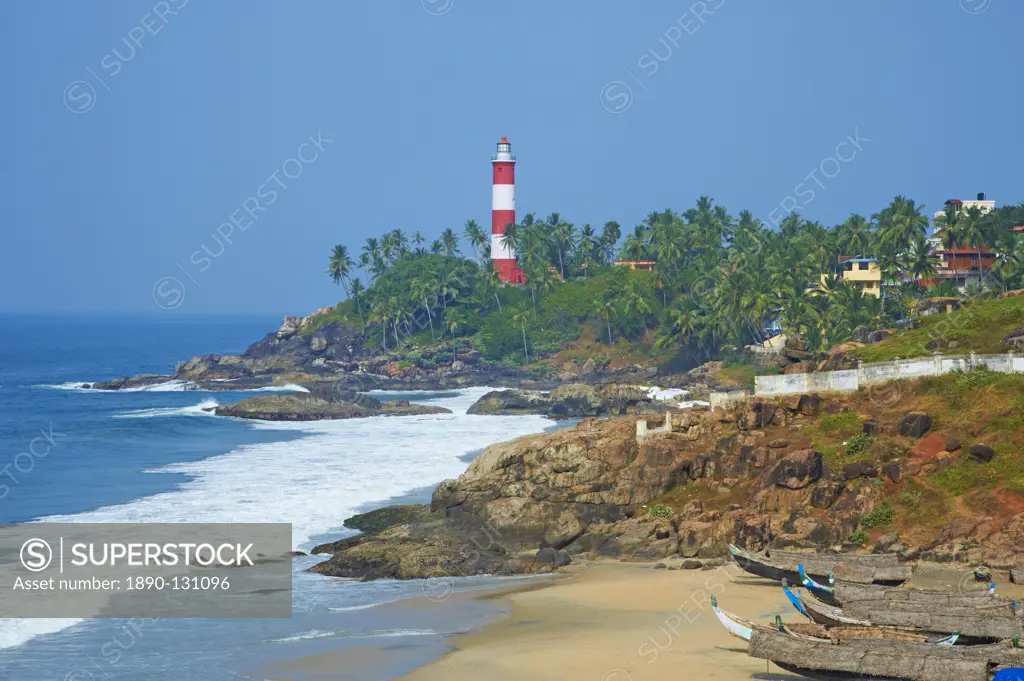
(503, 212)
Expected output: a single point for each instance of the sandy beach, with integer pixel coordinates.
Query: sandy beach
(619, 622)
(607, 621)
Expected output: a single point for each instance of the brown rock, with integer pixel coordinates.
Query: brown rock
(915, 424)
(981, 452)
(797, 470)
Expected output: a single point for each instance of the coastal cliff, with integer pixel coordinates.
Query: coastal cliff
(803, 471)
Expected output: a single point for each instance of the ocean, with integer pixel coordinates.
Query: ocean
(155, 455)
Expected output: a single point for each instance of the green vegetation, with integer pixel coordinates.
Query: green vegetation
(660, 511)
(859, 444)
(858, 538)
(979, 326)
(844, 424)
(879, 517)
(718, 282)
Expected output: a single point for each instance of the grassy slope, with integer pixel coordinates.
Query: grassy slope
(979, 327)
(979, 407)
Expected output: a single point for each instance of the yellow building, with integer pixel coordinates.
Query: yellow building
(861, 272)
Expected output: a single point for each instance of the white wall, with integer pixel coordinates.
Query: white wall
(880, 372)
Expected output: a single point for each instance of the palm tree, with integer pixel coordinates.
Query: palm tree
(899, 223)
(371, 250)
(450, 284)
(491, 282)
(636, 300)
(454, 319)
(418, 239)
(921, 263)
(450, 242)
(421, 288)
(355, 292)
(951, 235)
(509, 239)
(606, 308)
(586, 245)
(474, 234)
(520, 318)
(400, 242)
(340, 266)
(610, 235)
(436, 247)
(974, 233)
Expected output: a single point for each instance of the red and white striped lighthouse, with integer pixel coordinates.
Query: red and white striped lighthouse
(503, 212)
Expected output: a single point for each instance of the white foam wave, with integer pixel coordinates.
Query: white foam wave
(341, 633)
(14, 632)
(191, 410)
(315, 482)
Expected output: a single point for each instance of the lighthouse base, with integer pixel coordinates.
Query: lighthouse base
(508, 271)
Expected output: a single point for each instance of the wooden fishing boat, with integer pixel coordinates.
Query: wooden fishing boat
(839, 635)
(976, 625)
(818, 566)
(845, 592)
(880, 659)
(737, 626)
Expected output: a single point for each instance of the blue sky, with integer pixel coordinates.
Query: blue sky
(135, 129)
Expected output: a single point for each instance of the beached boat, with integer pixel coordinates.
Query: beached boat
(881, 659)
(839, 635)
(737, 626)
(980, 623)
(819, 566)
(844, 592)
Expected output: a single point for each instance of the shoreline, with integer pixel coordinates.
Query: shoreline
(600, 621)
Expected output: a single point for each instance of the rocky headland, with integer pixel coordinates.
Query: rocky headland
(337, 354)
(757, 473)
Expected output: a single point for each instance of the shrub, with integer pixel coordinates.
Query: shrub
(659, 511)
(879, 517)
(858, 538)
(911, 498)
(858, 444)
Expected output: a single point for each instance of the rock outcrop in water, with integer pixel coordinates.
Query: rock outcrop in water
(307, 407)
(575, 400)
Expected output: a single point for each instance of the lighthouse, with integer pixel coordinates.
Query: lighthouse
(503, 212)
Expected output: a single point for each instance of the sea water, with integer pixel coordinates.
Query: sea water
(159, 455)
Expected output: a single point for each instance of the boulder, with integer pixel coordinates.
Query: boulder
(1017, 575)
(952, 444)
(575, 400)
(886, 542)
(982, 574)
(981, 452)
(691, 564)
(510, 403)
(552, 557)
(797, 470)
(915, 424)
(870, 427)
(894, 471)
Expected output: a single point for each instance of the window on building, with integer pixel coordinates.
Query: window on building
(870, 284)
(862, 265)
(848, 266)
